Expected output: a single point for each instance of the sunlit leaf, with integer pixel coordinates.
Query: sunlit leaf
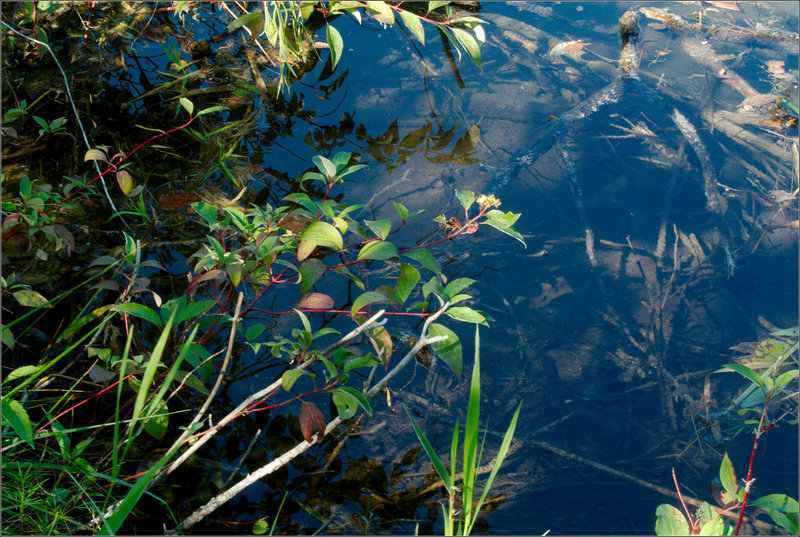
(290, 376)
(448, 350)
(381, 228)
(727, 475)
(356, 396)
(31, 299)
(139, 310)
(747, 373)
(406, 282)
(382, 12)
(346, 404)
(468, 315)
(318, 234)
(95, 154)
(378, 250)
(670, 521)
(413, 23)
(324, 165)
(456, 286)
(187, 104)
(366, 299)
(424, 258)
(469, 44)
(466, 197)
(335, 44)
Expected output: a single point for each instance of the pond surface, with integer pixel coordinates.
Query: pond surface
(610, 344)
(649, 254)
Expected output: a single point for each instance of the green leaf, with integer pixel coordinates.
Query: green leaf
(14, 414)
(413, 23)
(212, 109)
(318, 234)
(778, 502)
(382, 12)
(324, 165)
(381, 228)
(712, 526)
(785, 378)
(368, 360)
(747, 373)
(432, 456)
(503, 222)
(436, 5)
(139, 310)
(448, 350)
(346, 403)
(187, 104)
(25, 187)
(366, 299)
(335, 44)
(23, 372)
(31, 299)
(469, 44)
(466, 197)
(456, 286)
(401, 210)
(290, 377)
(379, 250)
(247, 19)
(260, 527)
(362, 401)
(468, 315)
(310, 272)
(406, 282)
(424, 258)
(727, 475)
(670, 521)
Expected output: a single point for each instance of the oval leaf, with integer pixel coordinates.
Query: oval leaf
(336, 46)
(31, 299)
(95, 154)
(424, 258)
(125, 182)
(316, 301)
(365, 299)
(311, 421)
(14, 414)
(322, 234)
(409, 276)
(310, 272)
(379, 250)
(448, 350)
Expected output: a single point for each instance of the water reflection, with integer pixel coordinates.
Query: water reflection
(659, 257)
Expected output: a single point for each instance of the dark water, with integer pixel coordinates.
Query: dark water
(625, 302)
(598, 341)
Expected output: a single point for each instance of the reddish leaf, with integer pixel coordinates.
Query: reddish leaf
(311, 421)
(316, 301)
(125, 182)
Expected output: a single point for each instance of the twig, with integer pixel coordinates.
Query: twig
(284, 459)
(370, 323)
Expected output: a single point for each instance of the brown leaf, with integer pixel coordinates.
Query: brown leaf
(311, 421)
(316, 301)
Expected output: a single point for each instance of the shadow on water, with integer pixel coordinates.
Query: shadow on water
(610, 325)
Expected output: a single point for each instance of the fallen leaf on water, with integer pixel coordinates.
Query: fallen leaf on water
(778, 123)
(656, 25)
(567, 46)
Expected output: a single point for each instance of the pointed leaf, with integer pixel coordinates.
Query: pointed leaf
(366, 299)
(747, 373)
(448, 350)
(727, 475)
(670, 521)
(424, 258)
(336, 46)
(31, 299)
(413, 23)
(290, 376)
(466, 197)
(378, 250)
(14, 414)
(311, 421)
(381, 228)
(406, 282)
